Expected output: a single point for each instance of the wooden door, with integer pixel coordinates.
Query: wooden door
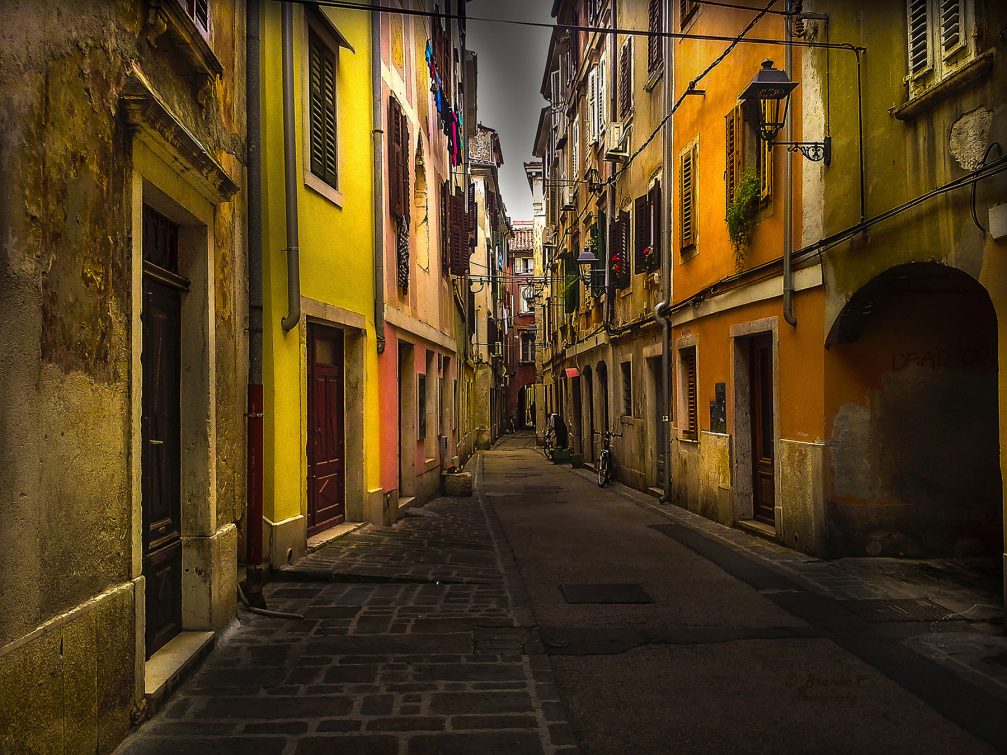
(160, 430)
(763, 437)
(326, 439)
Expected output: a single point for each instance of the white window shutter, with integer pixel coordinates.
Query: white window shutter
(592, 100)
(919, 25)
(952, 26)
(602, 96)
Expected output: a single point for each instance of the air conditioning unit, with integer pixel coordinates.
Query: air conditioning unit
(569, 198)
(616, 143)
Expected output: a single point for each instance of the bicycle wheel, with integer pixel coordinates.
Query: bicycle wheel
(603, 469)
(547, 445)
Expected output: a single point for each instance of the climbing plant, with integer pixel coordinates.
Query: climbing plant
(742, 215)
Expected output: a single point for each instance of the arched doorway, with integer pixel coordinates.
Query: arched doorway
(912, 398)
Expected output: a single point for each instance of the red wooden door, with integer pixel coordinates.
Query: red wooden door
(326, 439)
(160, 430)
(763, 439)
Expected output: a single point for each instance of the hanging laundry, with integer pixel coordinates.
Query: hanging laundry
(402, 253)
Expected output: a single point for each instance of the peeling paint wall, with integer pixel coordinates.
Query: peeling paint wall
(67, 519)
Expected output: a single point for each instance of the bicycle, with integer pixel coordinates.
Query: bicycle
(555, 435)
(605, 457)
(549, 442)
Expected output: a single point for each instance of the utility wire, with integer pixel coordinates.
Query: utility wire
(346, 5)
(688, 90)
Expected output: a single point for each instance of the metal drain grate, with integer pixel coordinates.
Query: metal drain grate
(883, 610)
(613, 593)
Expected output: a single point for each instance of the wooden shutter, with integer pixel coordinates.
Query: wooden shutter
(765, 164)
(472, 218)
(686, 9)
(641, 232)
(619, 272)
(655, 225)
(625, 79)
(689, 393)
(919, 35)
(457, 238)
(735, 128)
(952, 27)
(445, 238)
(592, 105)
(199, 11)
(601, 103)
(396, 159)
(655, 25)
(322, 110)
(687, 198)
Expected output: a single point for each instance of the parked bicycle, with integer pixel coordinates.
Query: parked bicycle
(605, 461)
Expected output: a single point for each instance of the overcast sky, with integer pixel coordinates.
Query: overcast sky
(511, 62)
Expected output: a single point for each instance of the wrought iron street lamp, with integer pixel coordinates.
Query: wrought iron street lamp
(585, 264)
(766, 101)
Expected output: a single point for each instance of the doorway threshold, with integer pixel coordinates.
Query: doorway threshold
(327, 536)
(760, 529)
(169, 666)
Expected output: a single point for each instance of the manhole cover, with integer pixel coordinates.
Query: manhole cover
(881, 610)
(605, 594)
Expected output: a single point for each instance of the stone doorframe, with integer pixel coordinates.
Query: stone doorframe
(173, 173)
(740, 418)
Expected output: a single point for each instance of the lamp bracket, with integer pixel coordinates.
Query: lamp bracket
(814, 151)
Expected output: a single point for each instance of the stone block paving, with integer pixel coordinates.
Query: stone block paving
(434, 654)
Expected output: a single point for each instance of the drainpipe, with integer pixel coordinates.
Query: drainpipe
(662, 312)
(253, 472)
(377, 166)
(290, 174)
(788, 200)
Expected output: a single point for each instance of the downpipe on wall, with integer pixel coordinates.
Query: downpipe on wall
(662, 312)
(377, 166)
(293, 317)
(788, 199)
(254, 413)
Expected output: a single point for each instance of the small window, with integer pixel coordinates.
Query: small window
(746, 151)
(688, 198)
(527, 347)
(199, 12)
(627, 388)
(655, 43)
(938, 40)
(626, 79)
(690, 405)
(322, 109)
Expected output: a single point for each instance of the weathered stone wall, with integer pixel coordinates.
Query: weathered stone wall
(67, 516)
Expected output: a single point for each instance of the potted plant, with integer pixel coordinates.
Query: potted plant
(742, 215)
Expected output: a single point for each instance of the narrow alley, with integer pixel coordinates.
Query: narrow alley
(459, 630)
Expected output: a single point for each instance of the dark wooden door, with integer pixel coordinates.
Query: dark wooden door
(160, 431)
(326, 440)
(763, 438)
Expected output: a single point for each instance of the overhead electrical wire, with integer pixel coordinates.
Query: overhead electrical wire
(347, 5)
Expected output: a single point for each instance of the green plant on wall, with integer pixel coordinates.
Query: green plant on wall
(742, 214)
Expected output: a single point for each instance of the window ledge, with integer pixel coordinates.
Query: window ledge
(654, 77)
(319, 186)
(970, 72)
(166, 17)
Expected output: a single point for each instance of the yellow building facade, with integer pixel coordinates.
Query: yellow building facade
(321, 428)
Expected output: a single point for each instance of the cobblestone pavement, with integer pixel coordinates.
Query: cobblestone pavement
(415, 639)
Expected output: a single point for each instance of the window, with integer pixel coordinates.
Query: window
(618, 258)
(937, 39)
(655, 44)
(322, 109)
(527, 298)
(527, 347)
(647, 243)
(599, 89)
(746, 150)
(398, 159)
(686, 9)
(199, 11)
(575, 151)
(687, 190)
(627, 388)
(690, 406)
(626, 79)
